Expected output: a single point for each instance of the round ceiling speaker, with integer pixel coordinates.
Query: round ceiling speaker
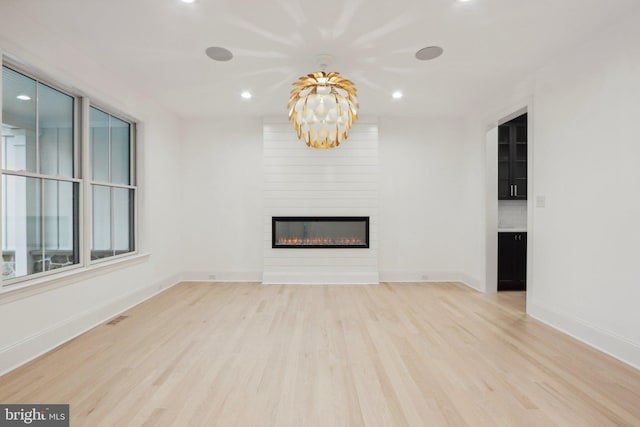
(219, 53)
(429, 53)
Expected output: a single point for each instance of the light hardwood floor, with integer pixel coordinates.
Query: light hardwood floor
(393, 355)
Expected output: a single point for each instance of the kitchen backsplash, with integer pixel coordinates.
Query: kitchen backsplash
(512, 214)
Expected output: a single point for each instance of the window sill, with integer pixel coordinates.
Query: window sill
(32, 287)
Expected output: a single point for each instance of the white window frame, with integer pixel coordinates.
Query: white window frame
(88, 182)
(81, 175)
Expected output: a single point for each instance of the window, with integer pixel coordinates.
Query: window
(39, 187)
(45, 191)
(112, 192)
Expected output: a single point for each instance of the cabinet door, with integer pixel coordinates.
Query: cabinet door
(512, 159)
(522, 262)
(512, 261)
(519, 158)
(504, 164)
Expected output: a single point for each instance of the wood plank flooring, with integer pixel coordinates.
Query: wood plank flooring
(243, 354)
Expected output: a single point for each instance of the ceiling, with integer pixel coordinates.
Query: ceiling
(159, 45)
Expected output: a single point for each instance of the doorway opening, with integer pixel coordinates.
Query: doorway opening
(512, 174)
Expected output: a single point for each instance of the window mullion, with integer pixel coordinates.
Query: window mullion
(134, 221)
(2, 192)
(39, 176)
(132, 156)
(86, 200)
(42, 224)
(41, 180)
(109, 160)
(37, 129)
(113, 220)
(78, 138)
(108, 184)
(111, 195)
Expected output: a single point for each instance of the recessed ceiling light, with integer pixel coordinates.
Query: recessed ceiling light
(246, 94)
(397, 94)
(23, 97)
(219, 53)
(187, 1)
(428, 53)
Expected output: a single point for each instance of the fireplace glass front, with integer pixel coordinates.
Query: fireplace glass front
(320, 232)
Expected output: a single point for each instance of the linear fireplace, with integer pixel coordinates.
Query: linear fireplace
(308, 232)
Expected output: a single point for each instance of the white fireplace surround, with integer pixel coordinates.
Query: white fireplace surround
(301, 181)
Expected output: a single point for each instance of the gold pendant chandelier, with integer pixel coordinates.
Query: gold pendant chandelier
(322, 107)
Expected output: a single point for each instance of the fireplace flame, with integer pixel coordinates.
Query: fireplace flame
(320, 241)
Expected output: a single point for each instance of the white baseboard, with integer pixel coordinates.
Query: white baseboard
(418, 276)
(430, 277)
(598, 338)
(472, 282)
(329, 278)
(320, 278)
(225, 276)
(33, 346)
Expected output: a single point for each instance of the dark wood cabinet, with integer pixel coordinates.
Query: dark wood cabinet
(512, 261)
(512, 159)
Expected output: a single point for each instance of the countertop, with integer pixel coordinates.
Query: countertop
(512, 230)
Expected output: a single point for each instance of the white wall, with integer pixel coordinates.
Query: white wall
(423, 200)
(222, 199)
(301, 181)
(583, 246)
(66, 307)
(473, 200)
(586, 164)
(423, 180)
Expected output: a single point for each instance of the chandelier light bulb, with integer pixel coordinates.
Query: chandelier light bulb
(322, 107)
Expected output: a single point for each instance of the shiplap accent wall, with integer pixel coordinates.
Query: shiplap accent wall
(301, 181)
